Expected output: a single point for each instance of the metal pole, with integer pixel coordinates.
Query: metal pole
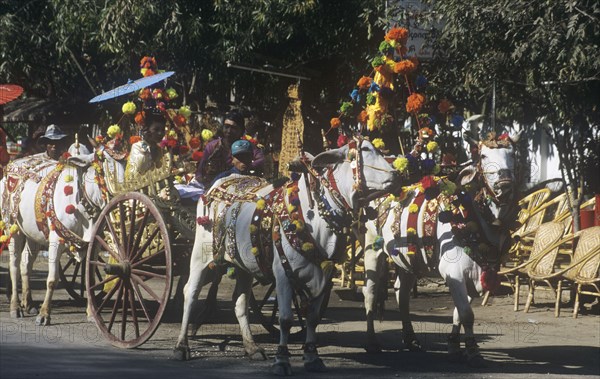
(494, 106)
(263, 71)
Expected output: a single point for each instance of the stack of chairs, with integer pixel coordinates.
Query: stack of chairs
(547, 252)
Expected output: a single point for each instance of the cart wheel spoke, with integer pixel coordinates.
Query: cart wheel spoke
(115, 307)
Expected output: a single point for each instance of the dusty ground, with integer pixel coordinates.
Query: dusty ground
(516, 344)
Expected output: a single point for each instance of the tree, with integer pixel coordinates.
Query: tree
(544, 60)
(70, 49)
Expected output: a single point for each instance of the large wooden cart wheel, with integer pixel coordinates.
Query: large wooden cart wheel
(263, 302)
(131, 247)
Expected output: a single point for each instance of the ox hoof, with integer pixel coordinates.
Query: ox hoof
(414, 346)
(477, 361)
(42, 320)
(257, 355)
(281, 369)
(181, 353)
(316, 365)
(17, 313)
(455, 357)
(33, 311)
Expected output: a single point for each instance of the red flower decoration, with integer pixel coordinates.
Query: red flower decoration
(183, 149)
(68, 190)
(194, 142)
(65, 155)
(428, 182)
(171, 143)
(203, 220)
(342, 140)
(70, 209)
(197, 155)
(179, 120)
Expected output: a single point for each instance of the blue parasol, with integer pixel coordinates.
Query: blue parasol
(132, 86)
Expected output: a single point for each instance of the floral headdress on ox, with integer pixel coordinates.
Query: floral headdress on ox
(156, 99)
(369, 107)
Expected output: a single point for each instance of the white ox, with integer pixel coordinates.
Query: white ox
(350, 170)
(492, 181)
(34, 188)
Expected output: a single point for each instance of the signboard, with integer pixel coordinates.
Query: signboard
(409, 14)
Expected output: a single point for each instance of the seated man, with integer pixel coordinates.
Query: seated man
(56, 141)
(217, 153)
(242, 154)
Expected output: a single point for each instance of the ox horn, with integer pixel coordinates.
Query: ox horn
(92, 142)
(516, 137)
(470, 138)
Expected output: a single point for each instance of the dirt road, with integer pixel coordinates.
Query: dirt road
(516, 344)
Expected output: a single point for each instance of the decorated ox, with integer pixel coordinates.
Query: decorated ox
(461, 231)
(48, 204)
(287, 233)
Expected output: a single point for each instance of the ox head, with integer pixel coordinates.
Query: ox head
(357, 166)
(495, 165)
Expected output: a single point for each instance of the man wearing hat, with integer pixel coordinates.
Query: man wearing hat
(242, 153)
(56, 141)
(217, 156)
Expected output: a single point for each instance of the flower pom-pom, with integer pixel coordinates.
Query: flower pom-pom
(68, 178)
(400, 164)
(364, 83)
(411, 231)
(404, 67)
(342, 140)
(70, 209)
(299, 225)
(113, 130)
(362, 117)
(185, 111)
(171, 93)
(128, 107)
(14, 228)
(203, 220)
(2, 225)
(335, 123)
(413, 208)
(291, 208)
(260, 204)
(194, 142)
(183, 149)
(254, 251)
(415, 102)
(378, 143)
(3, 239)
(207, 135)
(447, 187)
(432, 146)
(139, 118)
(179, 120)
(397, 34)
(411, 252)
(68, 190)
(307, 247)
(134, 139)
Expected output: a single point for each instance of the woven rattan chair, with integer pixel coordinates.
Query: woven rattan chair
(544, 259)
(584, 270)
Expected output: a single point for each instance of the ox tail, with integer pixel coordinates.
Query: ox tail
(381, 291)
